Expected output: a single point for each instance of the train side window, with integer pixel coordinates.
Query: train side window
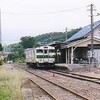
(39, 51)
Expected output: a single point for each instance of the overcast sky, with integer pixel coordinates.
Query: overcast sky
(33, 17)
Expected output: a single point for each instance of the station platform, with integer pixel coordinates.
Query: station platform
(70, 67)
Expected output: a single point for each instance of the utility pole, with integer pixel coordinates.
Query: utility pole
(92, 31)
(92, 47)
(66, 33)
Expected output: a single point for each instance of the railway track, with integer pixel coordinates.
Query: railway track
(66, 94)
(78, 76)
(88, 90)
(65, 72)
(85, 90)
(56, 91)
(38, 93)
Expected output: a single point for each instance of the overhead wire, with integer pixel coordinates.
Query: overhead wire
(55, 12)
(43, 13)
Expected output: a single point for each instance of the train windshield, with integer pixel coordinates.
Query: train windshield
(45, 51)
(39, 51)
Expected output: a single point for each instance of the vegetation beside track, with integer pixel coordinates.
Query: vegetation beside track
(10, 84)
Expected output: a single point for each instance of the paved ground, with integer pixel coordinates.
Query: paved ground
(71, 67)
(84, 70)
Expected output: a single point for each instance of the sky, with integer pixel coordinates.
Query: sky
(21, 18)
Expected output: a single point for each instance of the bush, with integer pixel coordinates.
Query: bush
(10, 83)
(1, 62)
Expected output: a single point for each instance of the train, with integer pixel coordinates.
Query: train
(43, 56)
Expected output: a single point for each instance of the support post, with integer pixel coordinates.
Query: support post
(66, 56)
(72, 55)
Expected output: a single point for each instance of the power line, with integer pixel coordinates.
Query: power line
(55, 12)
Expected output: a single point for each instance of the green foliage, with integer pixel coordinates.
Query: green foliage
(12, 56)
(15, 47)
(27, 42)
(4, 94)
(17, 53)
(17, 50)
(16, 57)
(1, 48)
(10, 84)
(1, 62)
(50, 37)
(55, 36)
(20, 60)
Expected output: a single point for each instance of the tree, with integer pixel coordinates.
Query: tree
(12, 56)
(28, 42)
(55, 36)
(17, 53)
(1, 47)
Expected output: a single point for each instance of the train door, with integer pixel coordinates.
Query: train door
(45, 57)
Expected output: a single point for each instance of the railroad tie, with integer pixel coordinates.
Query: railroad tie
(27, 94)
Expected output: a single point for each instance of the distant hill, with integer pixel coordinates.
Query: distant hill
(49, 37)
(44, 39)
(55, 36)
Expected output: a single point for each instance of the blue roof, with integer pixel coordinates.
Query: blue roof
(83, 31)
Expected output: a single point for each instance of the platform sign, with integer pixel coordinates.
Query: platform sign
(95, 46)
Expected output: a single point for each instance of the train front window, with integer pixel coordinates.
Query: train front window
(45, 51)
(39, 51)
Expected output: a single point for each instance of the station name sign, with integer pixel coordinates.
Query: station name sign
(95, 46)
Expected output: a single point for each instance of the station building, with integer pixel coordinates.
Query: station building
(77, 49)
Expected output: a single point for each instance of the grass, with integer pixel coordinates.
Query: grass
(10, 84)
